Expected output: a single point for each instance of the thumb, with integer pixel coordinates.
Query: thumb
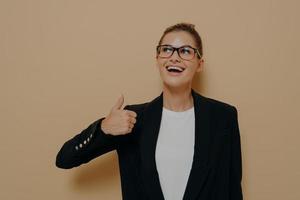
(119, 103)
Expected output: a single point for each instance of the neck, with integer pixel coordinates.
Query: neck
(177, 99)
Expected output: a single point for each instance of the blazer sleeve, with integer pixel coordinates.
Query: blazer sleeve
(235, 160)
(87, 145)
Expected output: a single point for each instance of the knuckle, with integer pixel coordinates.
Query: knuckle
(126, 118)
(125, 130)
(127, 126)
(124, 115)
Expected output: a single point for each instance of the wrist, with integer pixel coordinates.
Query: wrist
(102, 126)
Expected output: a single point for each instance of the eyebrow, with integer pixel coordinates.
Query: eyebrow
(186, 45)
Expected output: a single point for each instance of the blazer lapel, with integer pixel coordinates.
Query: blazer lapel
(200, 165)
(149, 135)
(148, 140)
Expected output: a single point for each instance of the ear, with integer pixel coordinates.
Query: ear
(200, 65)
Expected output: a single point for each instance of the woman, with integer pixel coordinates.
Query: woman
(180, 145)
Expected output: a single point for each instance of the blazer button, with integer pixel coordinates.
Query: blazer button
(80, 145)
(84, 142)
(76, 147)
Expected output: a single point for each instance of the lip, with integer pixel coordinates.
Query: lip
(176, 66)
(174, 73)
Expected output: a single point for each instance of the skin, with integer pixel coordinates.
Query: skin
(177, 89)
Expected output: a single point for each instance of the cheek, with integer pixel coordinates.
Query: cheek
(193, 66)
(160, 63)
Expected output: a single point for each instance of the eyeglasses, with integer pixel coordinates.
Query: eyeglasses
(185, 52)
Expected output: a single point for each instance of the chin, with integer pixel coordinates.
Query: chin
(174, 84)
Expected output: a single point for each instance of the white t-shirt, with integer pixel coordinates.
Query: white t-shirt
(174, 151)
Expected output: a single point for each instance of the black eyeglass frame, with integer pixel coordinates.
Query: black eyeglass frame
(177, 49)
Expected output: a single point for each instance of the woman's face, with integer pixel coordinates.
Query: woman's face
(184, 78)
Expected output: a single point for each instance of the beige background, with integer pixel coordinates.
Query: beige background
(64, 63)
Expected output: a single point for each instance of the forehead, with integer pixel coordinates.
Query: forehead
(178, 38)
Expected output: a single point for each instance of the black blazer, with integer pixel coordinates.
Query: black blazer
(216, 171)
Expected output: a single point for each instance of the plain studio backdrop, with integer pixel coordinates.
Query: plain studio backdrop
(63, 64)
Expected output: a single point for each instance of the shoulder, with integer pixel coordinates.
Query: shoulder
(222, 111)
(220, 106)
(136, 107)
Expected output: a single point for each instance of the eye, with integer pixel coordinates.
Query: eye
(185, 50)
(167, 49)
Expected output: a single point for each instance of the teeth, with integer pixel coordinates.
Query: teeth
(175, 67)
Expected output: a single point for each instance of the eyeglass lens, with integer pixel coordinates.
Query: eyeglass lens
(185, 52)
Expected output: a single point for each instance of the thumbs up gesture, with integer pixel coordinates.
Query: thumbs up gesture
(119, 121)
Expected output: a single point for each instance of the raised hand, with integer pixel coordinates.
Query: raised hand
(119, 121)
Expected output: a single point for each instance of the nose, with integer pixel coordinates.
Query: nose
(175, 57)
